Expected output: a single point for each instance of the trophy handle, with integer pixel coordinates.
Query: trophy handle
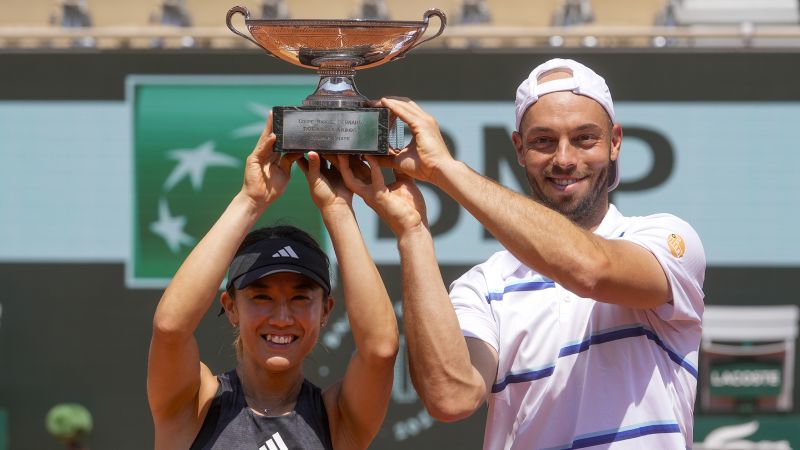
(425, 18)
(246, 13)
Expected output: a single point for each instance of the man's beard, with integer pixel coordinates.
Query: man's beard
(581, 213)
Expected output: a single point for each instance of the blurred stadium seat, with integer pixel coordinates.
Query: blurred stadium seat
(512, 23)
(572, 13)
(472, 12)
(26, 12)
(274, 9)
(371, 10)
(615, 12)
(517, 12)
(694, 12)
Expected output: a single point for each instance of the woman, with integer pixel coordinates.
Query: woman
(278, 298)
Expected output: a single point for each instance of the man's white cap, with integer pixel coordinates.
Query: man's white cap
(584, 81)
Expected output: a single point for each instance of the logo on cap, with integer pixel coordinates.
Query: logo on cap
(285, 252)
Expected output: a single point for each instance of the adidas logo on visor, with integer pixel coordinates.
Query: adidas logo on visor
(286, 252)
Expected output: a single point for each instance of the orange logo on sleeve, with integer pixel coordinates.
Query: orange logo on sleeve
(676, 245)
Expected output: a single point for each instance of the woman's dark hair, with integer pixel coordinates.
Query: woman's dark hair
(289, 232)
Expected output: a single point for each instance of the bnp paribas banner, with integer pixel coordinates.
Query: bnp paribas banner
(190, 137)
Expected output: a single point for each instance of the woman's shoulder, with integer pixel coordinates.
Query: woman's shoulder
(228, 381)
(312, 397)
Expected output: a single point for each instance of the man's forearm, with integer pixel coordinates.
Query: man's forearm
(441, 369)
(536, 235)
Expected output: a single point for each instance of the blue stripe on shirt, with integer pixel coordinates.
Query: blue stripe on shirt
(627, 333)
(632, 432)
(597, 339)
(523, 377)
(520, 287)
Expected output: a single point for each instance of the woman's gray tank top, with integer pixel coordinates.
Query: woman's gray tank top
(231, 425)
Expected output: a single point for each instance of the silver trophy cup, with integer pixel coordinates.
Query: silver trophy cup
(335, 118)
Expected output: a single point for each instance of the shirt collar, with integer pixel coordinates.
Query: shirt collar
(609, 223)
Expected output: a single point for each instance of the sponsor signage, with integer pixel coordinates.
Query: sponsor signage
(191, 136)
(746, 380)
(767, 432)
(667, 149)
(747, 358)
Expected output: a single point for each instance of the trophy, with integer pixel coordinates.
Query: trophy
(335, 118)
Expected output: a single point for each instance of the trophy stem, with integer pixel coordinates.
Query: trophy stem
(336, 89)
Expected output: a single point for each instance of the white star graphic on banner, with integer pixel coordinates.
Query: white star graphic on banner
(171, 228)
(256, 128)
(194, 162)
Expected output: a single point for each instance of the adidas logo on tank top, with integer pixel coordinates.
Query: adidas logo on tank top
(276, 442)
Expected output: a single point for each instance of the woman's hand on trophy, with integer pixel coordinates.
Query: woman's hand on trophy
(325, 182)
(427, 154)
(400, 204)
(266, 173)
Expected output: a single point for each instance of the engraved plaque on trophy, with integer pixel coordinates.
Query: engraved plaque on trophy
(335, 118)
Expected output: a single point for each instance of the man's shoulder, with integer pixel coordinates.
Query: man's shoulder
(501, 263)
(665, 221)
(497, 267)
(670, 238)
(654, 217)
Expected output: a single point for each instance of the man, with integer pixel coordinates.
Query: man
(584, 332)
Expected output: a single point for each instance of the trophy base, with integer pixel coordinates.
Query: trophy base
(331, 130)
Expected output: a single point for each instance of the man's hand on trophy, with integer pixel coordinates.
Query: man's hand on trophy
(399, 204)
(266, 173)
(325, 182)
(427, 152)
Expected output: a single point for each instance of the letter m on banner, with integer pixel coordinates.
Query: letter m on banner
(190, 137)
